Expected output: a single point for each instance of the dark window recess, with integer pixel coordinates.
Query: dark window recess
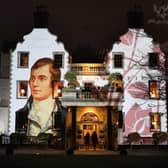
(118, 60)
(153, 60)
(58, 120)
(58, 61)
(21, 121)
(23, 60)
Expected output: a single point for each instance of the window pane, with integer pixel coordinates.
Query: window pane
(118, 60)
(57, 89)
(22, 89)
(23, 59)
(155, 122)
(58, 60)
(153, 60)
(153, 89)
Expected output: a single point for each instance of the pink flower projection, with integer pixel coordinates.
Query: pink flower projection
(137, 120)
(127, 38)
(138, 90)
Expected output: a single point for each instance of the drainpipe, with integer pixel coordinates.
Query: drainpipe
(74, 127)
(166, 74)
(164, 48)
(120, 127)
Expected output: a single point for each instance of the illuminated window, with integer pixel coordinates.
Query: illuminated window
(153, 89)
(117, 83)
(57, 88)
(153, 60)
(118, 60)
(22, 89)
(58, 60)
(23, 59)
(154, 122)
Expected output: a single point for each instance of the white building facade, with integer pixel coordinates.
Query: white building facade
(133, 100)
(38, 44)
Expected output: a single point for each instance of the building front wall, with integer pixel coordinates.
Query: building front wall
(135, 46)
(38, 44)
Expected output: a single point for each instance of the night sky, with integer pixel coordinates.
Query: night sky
(83, 24)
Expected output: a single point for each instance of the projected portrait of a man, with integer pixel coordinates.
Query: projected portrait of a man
(38, 114)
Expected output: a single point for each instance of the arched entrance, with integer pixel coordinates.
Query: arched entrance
(89, 122)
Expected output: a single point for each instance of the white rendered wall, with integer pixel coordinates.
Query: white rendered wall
(39, 43)
(136, 45)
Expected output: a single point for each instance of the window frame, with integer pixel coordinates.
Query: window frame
(54, 56)
(150, 59)
(150, 97)
(55, 93)
(19, 54)
(119, 61)
(18, 87)
(158, 122)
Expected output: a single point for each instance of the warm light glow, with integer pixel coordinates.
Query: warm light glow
(155, 122)
(57, 89)
(154, 93)
(22, 92)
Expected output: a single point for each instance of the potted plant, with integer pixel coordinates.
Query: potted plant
(70, 76)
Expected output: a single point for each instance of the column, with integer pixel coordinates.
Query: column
(109, 128)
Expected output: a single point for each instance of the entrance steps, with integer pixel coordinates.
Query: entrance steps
(85, 147)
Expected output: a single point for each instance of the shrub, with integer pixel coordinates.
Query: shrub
(133, 137)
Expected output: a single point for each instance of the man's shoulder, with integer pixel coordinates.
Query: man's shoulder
(25, 108)
(22, 110)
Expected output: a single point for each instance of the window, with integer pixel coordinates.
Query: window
(57, 88)
(22, 89)
(58, 60)
(153, 60)
(118, 60)
(116, 82)
(23, 59)
(154, 122)
(153, 89)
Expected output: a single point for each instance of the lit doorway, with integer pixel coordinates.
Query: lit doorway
(89, 128)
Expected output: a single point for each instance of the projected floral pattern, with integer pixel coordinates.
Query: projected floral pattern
(136, 74)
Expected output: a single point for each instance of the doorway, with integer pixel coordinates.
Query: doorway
(89, 128)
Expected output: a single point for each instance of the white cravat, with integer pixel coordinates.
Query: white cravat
(41, 114)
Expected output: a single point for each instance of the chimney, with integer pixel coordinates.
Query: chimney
(41, 17)
(136, 18)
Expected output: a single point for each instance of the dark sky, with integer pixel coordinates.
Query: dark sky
(87, 23)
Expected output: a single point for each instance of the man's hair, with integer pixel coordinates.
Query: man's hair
(55, 72)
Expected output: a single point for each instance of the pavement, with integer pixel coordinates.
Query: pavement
(46, 157)
(52, 151)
